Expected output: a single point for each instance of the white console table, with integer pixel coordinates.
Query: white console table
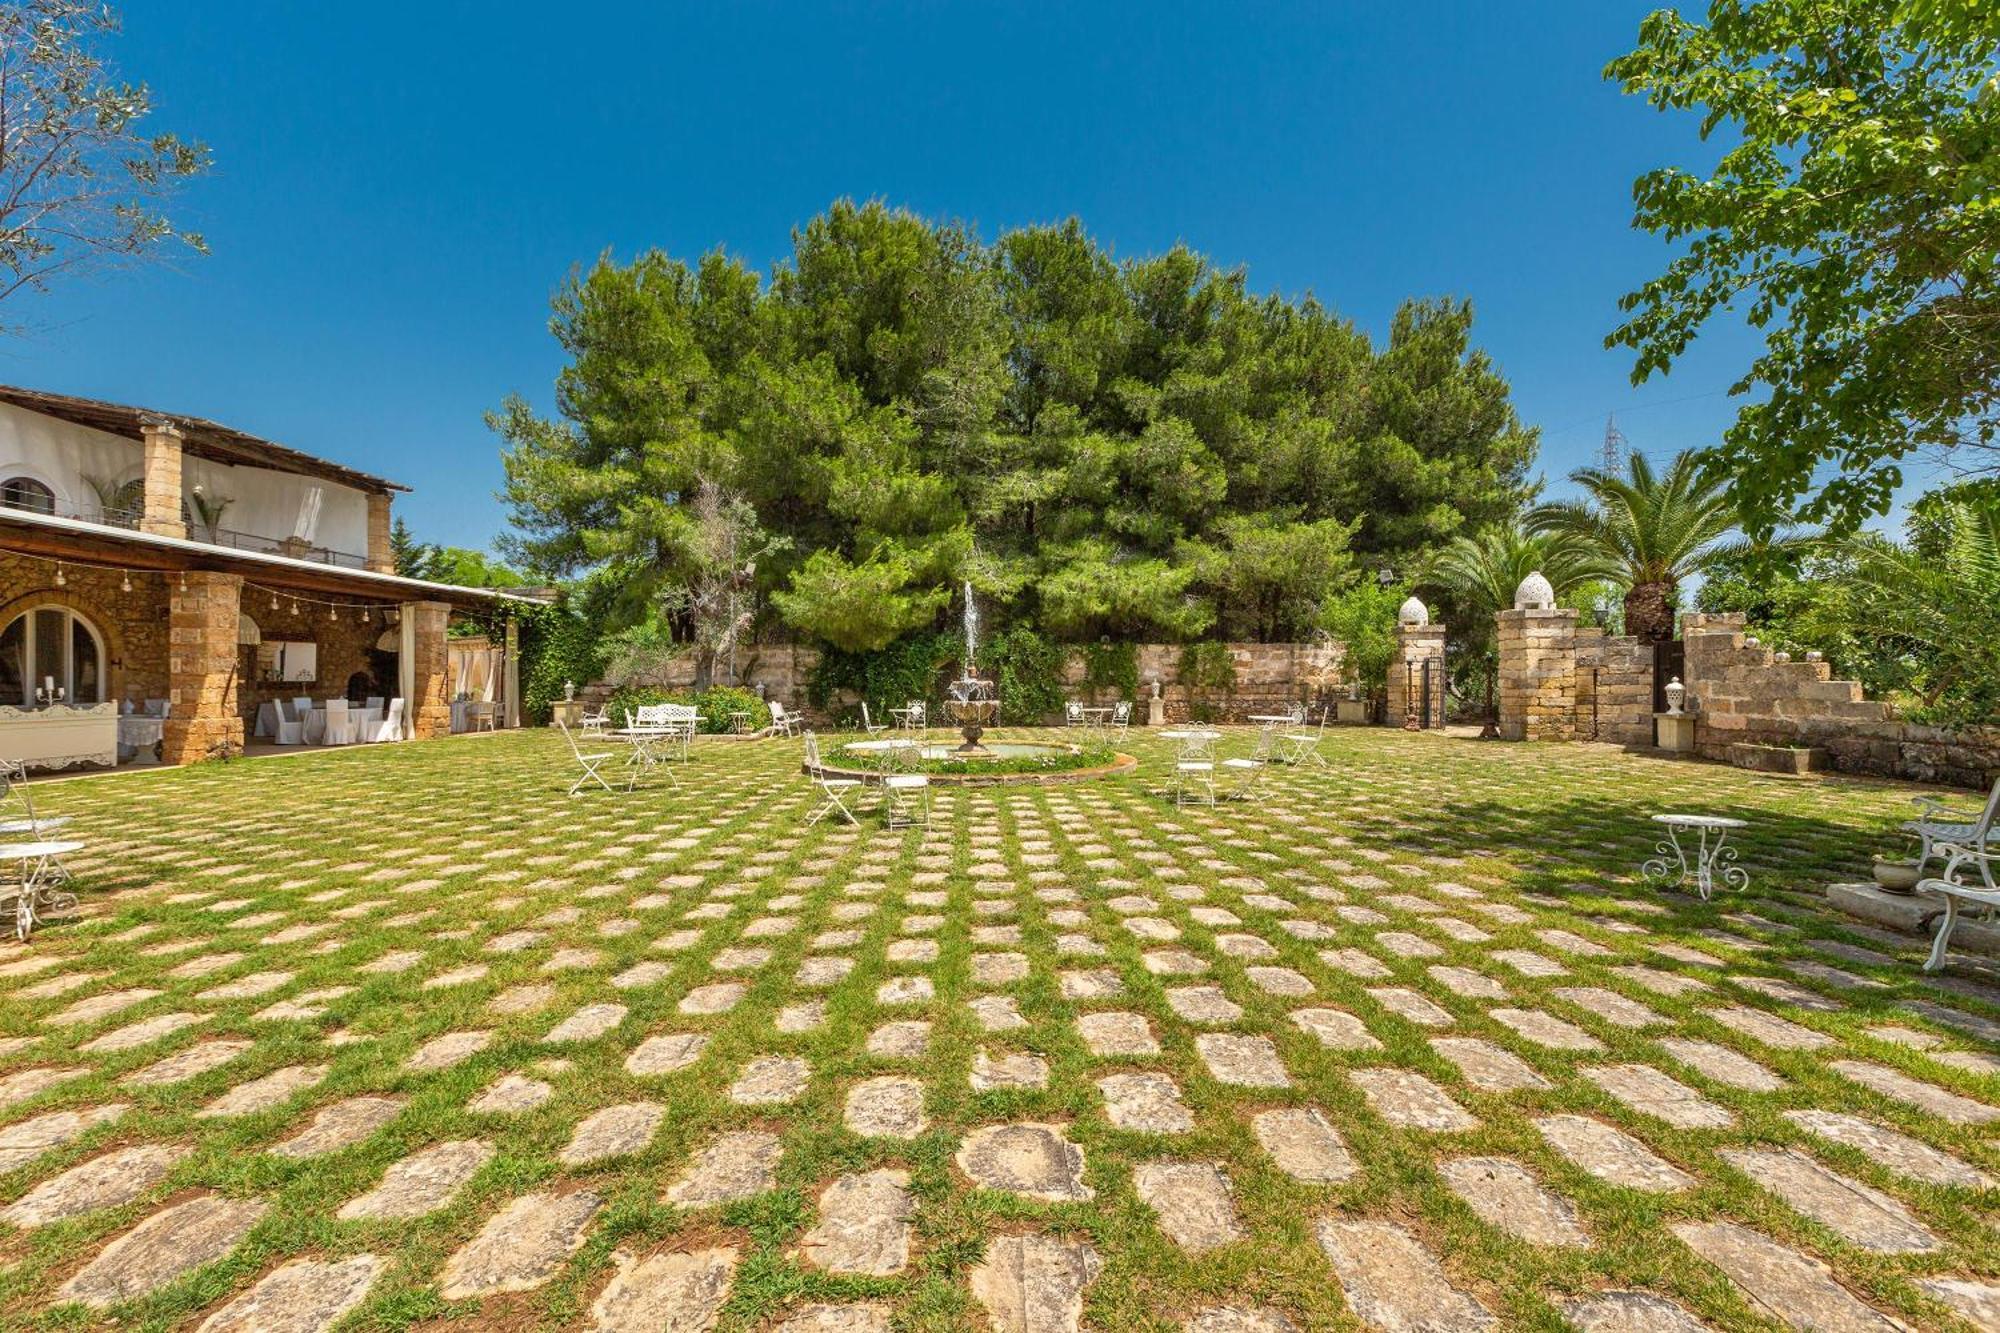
(60, 736)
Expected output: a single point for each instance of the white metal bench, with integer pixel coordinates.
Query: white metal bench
(1958, 898)
(1936, 829)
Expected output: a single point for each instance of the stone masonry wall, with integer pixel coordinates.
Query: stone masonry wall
(1268, 676)
(1537, 694)
(1614, 687)
(1742, 692)
(133, 624)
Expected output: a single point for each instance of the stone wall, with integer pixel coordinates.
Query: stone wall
(1742, 692)
(345, 645)
(1419, 649)
(1614, 688)
(1268, 676)
(133, 624)
(1555, 677)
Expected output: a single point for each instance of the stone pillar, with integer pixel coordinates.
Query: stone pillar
(381, 559)
(1419, 648)
(429, 704)
(201, 666)
(1537, 695)
(513, 672)
(161, 480)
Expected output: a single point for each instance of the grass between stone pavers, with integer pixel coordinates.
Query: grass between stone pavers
(318, 866)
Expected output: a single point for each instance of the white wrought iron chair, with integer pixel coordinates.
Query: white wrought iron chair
(1251, 769)
(1121, 716)
(1300, 746)
(1194, 767)
(831, 789)
(595, 720)
(915, 716)
(1073, 714)
(1935, 828)
(869, 724)
(591, 764)
(906, 796)
(782, 721)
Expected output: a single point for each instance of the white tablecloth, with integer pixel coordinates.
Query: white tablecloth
(139, 734)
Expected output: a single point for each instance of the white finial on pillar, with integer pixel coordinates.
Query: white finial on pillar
(1413, 612)
(1535, 594)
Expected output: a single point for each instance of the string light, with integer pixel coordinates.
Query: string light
(124, 581)
(60, 580)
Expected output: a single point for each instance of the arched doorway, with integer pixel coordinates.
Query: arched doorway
(52, 645)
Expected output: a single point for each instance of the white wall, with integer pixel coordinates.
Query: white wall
(60, 454)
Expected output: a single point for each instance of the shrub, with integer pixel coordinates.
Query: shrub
(1208, 666)
(558, 643)
(1112, 666)
(1363, 618)
(1029, 671)
(887, 678)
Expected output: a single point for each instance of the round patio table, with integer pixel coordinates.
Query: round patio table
(41, 866)
(886, 749)
(1708, 860)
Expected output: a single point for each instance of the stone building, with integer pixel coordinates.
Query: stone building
(165, 559)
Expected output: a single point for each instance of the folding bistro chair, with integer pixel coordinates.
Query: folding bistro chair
(830, 788)
(788, 723)
(869, 724)
(1303, 745)
(1250, 770)
(1121, 716)
(591, 763)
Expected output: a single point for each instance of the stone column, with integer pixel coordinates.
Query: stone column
(381, 559)
(161, 480)
(1537, 673)
(513, 672)
(1418, 647)
(429, 704)
(201, 666)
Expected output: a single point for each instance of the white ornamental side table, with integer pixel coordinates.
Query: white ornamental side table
(1707, 861)
(35, 898)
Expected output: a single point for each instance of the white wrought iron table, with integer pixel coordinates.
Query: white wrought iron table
(651, 748)
(35, 896)
(1711, 858)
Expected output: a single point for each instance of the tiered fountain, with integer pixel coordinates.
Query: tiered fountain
(971, 702)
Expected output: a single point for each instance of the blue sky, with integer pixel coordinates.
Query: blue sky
(398, 189)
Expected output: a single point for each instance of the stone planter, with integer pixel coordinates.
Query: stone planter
(1353, 712)
(1786, 760)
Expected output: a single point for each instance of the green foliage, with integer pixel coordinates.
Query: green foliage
(887, 677)
(1112, 665)
(1141, 449)
(1029, 671)
(1056, 760)
(447, 564)
(1208, 666)
(1853, 218)
(558, 643)
(1363, 618)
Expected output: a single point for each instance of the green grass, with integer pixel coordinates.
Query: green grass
(436, 849)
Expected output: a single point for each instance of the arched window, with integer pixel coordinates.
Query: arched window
(27, 493)
(51, 643)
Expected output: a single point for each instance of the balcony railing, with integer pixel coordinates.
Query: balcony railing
(128, 519)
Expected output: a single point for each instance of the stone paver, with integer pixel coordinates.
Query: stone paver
(1629, 1312)
(1646, 1089)
(1893, 1149)
(1034, 1284)
(1192, 1202)
(1487, 1067)
(737, 1165)
(1612, 1155)
(1865, 1216)
(1780, 1283)
(1393, 1283)
(1034, 1160)
(888, 1107)
(1150, 1103)
(340, 1125)
(25, 1140)
(612, 1132)
(164, 1247)
(117, 1177)
(1895, 1084)
(672, 1292)
(307, 1296)
(421, 1183)
(521, 1247)
(1245, 1061)
(864, 1225)
(1506, 1195)
(1411, 1101)
(1305, 1145)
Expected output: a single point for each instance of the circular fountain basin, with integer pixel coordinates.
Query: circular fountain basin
(944, 765)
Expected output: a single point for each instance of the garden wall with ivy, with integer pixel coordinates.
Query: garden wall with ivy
(1203, 681)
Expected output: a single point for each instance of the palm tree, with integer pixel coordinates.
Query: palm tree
(1482, 572)
(1656, 530)
(1942, 603)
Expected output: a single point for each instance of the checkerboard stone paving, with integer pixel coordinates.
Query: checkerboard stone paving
(384, 1039)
